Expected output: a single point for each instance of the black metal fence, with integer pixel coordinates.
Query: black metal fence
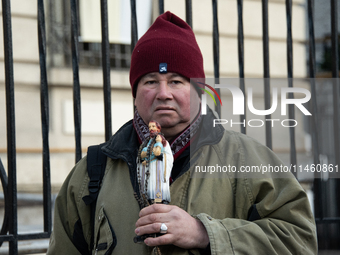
(9, 229)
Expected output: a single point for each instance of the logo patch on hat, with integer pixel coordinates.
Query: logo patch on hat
(163, 68)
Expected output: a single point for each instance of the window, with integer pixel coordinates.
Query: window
(325, 64)
(90, 32)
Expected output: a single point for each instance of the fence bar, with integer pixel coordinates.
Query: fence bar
(7, 238)
(4, 183)
(335, 75)
(188, 12)
(318, 203)
(240, 38)
(312, 76)
(336, 95)
(327, 220)
(33, 236)
(161, 6)
(266, 73)
(291, 112)
(44, 119)
(106, 69)
(76, 85)
(11, 206)
(216, 50)
(134, 31)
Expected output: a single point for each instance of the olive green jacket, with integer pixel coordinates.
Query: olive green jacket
(242, 213)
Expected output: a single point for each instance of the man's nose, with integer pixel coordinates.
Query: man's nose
(164, 91)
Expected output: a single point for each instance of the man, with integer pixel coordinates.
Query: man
(233, 215)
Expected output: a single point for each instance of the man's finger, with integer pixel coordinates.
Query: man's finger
(161, 240)
(154, 228)
(151, 218)
(155, 208)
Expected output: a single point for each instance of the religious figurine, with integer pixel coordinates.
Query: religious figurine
(154, 164)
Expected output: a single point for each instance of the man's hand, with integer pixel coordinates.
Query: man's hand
(183, 230)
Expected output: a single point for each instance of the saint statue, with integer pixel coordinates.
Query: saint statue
(154, 164)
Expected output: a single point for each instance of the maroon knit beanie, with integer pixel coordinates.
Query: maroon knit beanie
(168, 46)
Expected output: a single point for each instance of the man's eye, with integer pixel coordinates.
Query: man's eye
(176, 82)
(150, 82)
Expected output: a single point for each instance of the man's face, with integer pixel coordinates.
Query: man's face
(166, 98)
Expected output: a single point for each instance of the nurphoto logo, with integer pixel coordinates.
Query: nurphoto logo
(238, 101)
(204, 97)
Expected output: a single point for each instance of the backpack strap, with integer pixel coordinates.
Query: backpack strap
(96, 163)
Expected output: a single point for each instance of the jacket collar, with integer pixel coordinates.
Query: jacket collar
(124, 144)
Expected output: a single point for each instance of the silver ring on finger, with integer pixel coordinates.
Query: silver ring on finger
(164, 229)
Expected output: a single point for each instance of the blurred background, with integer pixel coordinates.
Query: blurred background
(60, 76)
